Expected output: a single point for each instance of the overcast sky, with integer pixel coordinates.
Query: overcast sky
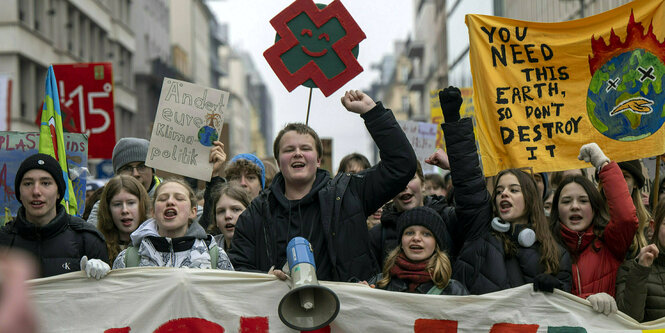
(382, 21)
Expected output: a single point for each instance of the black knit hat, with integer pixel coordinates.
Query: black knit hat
(635, 169)
(43, 162)
(426, 217)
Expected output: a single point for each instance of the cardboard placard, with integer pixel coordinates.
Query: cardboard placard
(189, 118)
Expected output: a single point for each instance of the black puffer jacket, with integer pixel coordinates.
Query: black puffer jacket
(453, 288)
(59, 245)
(339, 207)
(383, 236)
(482, 265)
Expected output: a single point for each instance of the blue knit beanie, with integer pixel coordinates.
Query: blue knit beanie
(256, 161)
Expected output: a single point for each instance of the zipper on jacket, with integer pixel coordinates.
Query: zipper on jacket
(579, 281)
(172, 253)
(577, 267)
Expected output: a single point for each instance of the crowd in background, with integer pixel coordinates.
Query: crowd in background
(593, 234)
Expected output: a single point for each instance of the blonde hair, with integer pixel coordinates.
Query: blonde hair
(190, 193)
(438, 266)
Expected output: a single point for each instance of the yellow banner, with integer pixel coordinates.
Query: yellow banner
(542, 90)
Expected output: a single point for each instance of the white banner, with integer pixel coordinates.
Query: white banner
(192, 300)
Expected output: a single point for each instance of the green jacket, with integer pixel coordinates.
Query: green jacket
(641, 290)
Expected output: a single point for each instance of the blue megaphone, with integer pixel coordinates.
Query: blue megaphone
(308, 306)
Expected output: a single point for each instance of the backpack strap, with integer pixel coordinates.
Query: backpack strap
(434, 291)
(214, 252)
(214, 256)
(131, 256)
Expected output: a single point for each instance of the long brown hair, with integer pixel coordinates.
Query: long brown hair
(535, 213)
(644, 217)
(601, 215)
(234, 192)
(105, 222)
(659, 218)
(438, 266)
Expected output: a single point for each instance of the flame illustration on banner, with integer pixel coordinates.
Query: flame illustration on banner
(625, 100)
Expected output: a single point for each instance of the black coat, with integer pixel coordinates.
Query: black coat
(453, 288)
(384, 238)
(59, 245)
(482, 265)
(340, 207)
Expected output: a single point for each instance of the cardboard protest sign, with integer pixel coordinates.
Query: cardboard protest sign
(422, 137)
(158, 299)
(316, 45)
(189, 118)
(17, 146)
(542, 90)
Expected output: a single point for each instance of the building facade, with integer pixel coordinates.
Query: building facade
(37, 33)
(146, 41)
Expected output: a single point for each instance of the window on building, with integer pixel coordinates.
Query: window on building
(82, 42)
(103, 42)
(23, 11)
(32, 77)
(38, 16)
(69, 28)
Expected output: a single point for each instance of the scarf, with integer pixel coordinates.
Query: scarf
(412, 272)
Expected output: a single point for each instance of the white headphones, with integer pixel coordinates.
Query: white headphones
(526, 237)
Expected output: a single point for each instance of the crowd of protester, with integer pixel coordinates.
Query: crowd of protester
(593, 234)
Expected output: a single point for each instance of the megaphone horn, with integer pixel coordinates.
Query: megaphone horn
(307, 306)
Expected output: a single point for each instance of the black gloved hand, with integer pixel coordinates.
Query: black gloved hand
(451, 100)
(546, 282)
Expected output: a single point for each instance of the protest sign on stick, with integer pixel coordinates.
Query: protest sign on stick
(87, 101)
(189, 118)
(316, 46)
(542, 90)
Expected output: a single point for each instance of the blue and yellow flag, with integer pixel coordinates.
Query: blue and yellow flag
(51, 138)
(542, 90)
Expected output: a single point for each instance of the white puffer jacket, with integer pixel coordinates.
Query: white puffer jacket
(189, 251)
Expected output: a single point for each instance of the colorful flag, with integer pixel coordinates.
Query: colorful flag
(542, 90)
(51, 139)
(8, 217)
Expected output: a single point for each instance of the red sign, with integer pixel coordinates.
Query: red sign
(86, 89)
